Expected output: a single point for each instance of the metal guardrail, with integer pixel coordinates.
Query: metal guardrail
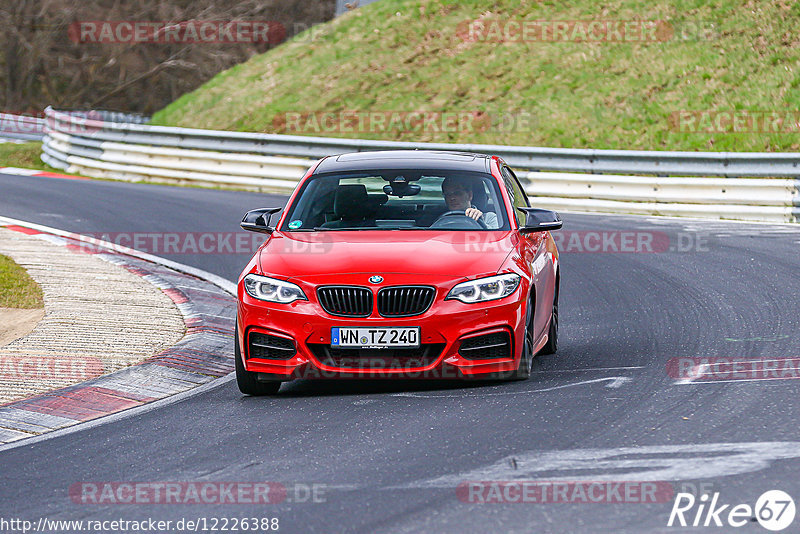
(32, 128)
(106, 146)
(21, 127)
(660, 163)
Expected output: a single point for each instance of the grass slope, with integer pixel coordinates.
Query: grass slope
(27, 156)
(17, 289)
(22, 155)
(406, 56)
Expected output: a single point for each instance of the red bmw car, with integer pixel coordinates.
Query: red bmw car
(408, 264)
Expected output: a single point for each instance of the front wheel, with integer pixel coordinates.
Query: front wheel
(552, 335)
(246, 380)
(526, 361)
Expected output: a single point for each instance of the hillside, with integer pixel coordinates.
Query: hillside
(395, 69)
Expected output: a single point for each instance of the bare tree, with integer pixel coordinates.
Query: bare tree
(42, 63)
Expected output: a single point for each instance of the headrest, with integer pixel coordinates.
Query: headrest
(350, 201)
(479, 198)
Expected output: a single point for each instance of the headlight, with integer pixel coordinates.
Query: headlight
(483, 289)
(272, 290)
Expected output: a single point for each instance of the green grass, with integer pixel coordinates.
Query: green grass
(407, 56)
(25, 156)
(17, 289)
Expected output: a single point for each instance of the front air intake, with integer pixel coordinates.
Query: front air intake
(486, 347)
(270, 347)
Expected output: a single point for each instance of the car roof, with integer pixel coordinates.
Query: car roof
(404, 159)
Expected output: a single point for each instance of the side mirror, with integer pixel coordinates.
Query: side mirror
(539, 220)
(258, 220)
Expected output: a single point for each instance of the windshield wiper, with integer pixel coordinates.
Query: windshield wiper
(348, 228)
(362, 228)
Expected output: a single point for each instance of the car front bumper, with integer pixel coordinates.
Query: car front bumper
(443, 328)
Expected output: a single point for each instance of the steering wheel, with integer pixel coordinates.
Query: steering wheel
(447, 219)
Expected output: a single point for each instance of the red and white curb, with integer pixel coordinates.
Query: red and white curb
(208, 306)
(16, 171)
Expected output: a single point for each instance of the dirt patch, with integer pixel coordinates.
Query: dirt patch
(15, 324)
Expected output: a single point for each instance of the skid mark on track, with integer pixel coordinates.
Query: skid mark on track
(709, 373)
(697, 372)
(589, 369)
(735, 380)
(758, 338)
(614, 382)
(648, 463)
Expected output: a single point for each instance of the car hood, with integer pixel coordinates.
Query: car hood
(311, 255)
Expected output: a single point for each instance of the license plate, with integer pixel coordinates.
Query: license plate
(375, 337)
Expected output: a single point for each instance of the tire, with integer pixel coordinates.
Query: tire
(523, 372)
(552, 334)
(247, 380)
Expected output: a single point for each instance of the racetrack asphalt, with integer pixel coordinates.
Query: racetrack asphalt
(389, 456)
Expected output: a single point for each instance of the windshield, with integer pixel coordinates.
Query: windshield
(398, 200)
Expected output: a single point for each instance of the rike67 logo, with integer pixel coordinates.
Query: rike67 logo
(774, 510)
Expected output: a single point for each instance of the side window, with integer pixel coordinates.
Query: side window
(519, 187)
(518, 197)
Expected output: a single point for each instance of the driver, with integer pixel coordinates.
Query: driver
(458, 197)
